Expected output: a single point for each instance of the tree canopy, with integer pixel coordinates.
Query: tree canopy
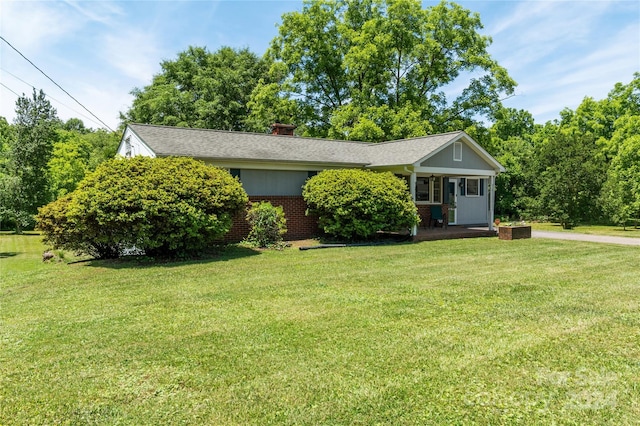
(26, 181)
(200, 89)
(581, 167)
(42, 158)
(382, 69)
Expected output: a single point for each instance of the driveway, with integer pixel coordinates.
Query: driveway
(586, 237)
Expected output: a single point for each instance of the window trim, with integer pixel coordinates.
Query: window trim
(457, 145)
(466, 192)
(431, 186)
(421, 181)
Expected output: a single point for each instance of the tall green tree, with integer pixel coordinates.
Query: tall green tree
(7, 182)
(68, 163)
(532, 156)
(621, 191)
(28, 156)
(511, 141)
(573, 171)
(77, 152)
(104, 146)
(200, 89)
(381, 69)
(6, 135)
(599, 117)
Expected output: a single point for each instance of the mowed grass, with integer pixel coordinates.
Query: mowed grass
(476, 331)
(612, 231)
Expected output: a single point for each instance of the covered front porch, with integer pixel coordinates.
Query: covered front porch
(445, 200)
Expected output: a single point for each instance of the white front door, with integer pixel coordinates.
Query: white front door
(452, 187)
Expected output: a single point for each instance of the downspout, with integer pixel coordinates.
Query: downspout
(412, 189)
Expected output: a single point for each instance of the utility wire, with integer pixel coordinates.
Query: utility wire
(60, 87)
(8, 88)
(47, 95)
(18, 78)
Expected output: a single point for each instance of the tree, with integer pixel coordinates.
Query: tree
(572, 177)
(6, 136)
(378, 69)
(162, 206)
(510, 140)
(75, 125)
(68, 163)
(200, 89)
(28, 156)
(104, 146)
(601, 118)
(355, 204)
(76, 153)
(621, 191)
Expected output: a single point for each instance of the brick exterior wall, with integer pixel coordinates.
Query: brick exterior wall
(299, 226)
(424, 211)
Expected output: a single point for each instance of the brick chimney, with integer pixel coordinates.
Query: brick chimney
(282, 129)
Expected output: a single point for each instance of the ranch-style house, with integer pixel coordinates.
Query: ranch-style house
(447, 173)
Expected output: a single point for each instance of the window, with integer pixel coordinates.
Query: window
(473, 187)
(127, 147)
(429, 190)
(235, 173)
(422, 189)
(436, 190)
(457, 151)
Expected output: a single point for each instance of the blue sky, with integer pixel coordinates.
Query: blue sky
(558, 51)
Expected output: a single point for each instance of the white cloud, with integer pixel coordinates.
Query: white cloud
(562, 51)
(135, 53)
(541, 29)
(33, 26)
(97, 11)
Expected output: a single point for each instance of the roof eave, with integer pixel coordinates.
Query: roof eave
(266, 160)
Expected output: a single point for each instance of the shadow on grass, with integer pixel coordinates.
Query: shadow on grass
(8, 254)
(231, 252)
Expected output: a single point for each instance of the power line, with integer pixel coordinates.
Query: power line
(47, 95)
(18, 78)
(60, 87)
(9, 89)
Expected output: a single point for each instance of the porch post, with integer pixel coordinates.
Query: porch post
(412, 188)
(492, 201)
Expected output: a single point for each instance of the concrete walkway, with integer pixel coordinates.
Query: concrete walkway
(586, 237)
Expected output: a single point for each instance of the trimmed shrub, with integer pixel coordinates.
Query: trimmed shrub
(64, 231)
(161, 206)
(355, 204)
(268, 224)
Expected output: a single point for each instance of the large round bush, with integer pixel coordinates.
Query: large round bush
(162, 206)
(355, 204)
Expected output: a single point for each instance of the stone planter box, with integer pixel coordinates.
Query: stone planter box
(514, 232)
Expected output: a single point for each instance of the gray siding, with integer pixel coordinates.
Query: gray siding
(470, 160)
(473, 210)
(272, 182)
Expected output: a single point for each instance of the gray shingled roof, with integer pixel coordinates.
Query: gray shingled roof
(407, 151)
(226, 145)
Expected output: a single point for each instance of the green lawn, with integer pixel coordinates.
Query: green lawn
(614, 231)
(477, 331)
